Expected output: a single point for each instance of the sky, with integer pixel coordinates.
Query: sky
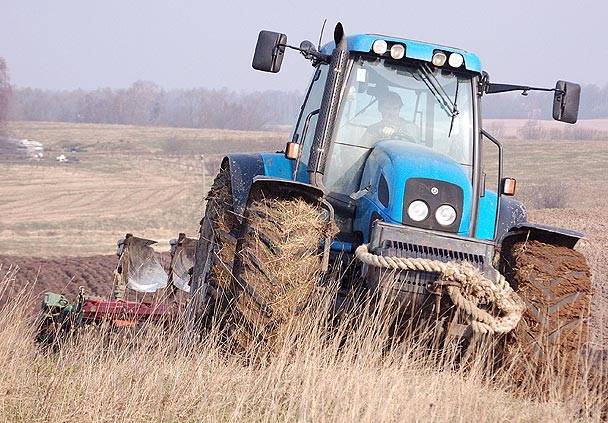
(88, 44)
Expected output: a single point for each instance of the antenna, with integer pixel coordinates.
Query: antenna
(321, 35)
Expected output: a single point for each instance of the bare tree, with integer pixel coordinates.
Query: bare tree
(5, 90)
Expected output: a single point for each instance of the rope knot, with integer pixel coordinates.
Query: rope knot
(467, 288)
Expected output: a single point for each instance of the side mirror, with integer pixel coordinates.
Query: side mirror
(508, 186)
(566, 101)
(292, 151)
(269, 51)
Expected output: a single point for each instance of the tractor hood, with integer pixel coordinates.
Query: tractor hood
(400, 172)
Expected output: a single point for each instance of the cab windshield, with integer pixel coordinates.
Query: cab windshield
(412, 103)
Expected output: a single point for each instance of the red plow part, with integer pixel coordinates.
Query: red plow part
(123, 312)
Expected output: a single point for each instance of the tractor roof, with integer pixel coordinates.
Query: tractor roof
(413, 49)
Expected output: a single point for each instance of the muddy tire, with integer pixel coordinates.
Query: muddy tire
(277, 267)
(555, 283)
(214, 256)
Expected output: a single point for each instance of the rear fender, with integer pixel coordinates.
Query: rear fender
(245, 167)
(287, 188)
(513, 224)
(545, 233)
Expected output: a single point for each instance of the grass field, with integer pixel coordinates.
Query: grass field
(151, 182)
(150, 376)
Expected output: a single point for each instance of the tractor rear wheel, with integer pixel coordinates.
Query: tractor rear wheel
(277, 266)
(214, 256)
(555, 283)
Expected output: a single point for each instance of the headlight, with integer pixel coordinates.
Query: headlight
(397, 51)
(439, 58)
(445, 215)
(418, 210)
(456, 60)
(379, 47)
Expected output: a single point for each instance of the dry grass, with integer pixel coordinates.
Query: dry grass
(310, 378)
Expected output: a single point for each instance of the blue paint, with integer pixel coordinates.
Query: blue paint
(302, 174)
(398, 161)
(342, 246)
(486, 216)
(277, 165)
(413, 49)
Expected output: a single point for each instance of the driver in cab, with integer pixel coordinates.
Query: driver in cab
(391, 126)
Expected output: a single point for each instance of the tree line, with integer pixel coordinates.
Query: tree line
(145, 103)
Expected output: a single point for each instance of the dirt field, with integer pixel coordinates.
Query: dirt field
(62, 274)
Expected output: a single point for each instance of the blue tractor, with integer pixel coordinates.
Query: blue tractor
(386, 161)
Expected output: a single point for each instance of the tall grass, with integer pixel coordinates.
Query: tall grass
(313, 374)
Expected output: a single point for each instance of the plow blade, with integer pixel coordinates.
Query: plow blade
(139, 266)
(182, 261)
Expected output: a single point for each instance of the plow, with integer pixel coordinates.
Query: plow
(385, 180)
(143, 291)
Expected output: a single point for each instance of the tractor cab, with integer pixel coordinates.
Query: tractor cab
(404, 113)
(390, 131)
(396, 120)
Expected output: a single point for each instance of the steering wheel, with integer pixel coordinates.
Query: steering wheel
(391, 133)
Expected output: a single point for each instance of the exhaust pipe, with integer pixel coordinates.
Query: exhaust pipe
(329, 108)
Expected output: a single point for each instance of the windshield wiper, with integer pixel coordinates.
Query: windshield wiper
(435, 87)
(455, 109)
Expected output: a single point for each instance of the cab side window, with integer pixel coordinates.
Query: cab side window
(313, 102)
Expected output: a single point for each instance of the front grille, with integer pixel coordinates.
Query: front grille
(411, 282)
(406, 241)
(409, 250)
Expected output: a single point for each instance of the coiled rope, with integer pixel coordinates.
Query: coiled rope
(467, 287)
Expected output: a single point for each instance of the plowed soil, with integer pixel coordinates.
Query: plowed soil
(62, 274)
(593, 223)
(65, 275)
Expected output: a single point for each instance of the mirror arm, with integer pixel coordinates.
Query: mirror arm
(315, 56)
(491, 88)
